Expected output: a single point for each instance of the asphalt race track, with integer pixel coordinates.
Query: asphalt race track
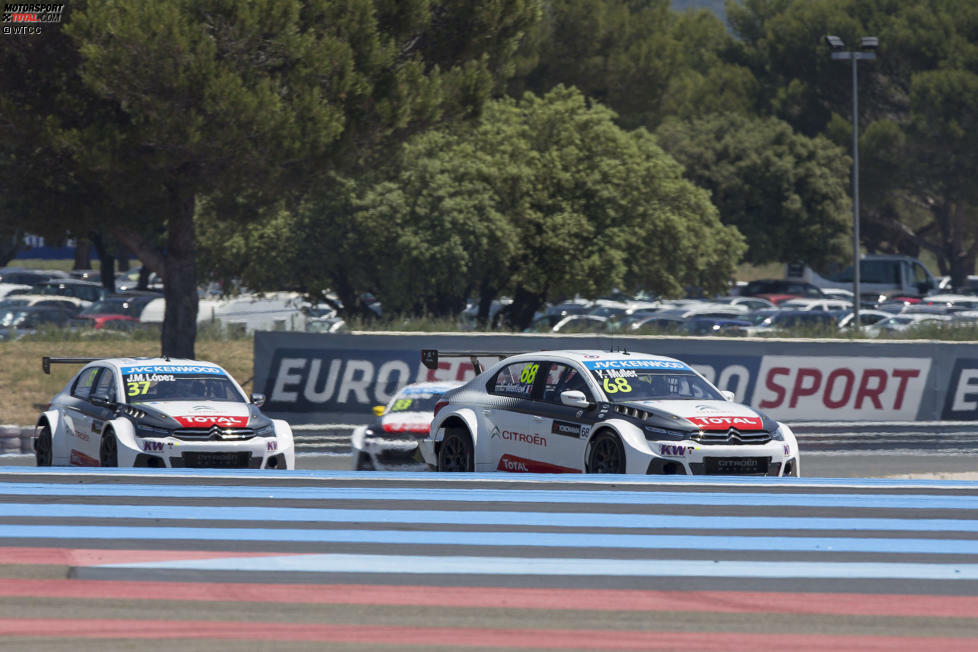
(250, 560)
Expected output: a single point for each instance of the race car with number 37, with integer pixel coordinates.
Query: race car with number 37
(601, 412)
(158, 412)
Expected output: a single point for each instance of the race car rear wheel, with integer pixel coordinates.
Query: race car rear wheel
(364, 463)
(455, 454)
(43, 451)
(607, 454)
(108, 451)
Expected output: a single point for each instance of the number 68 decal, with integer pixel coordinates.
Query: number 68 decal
(619, 385)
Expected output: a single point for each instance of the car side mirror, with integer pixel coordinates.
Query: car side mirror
(101, 400)
(379, 410)
(258, 399)
(574, 398)
(727, 395)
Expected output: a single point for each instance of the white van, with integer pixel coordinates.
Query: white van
(879, 275)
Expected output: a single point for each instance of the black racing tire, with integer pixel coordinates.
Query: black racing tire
(456, 453)
(44, 447)
(364, 463)
(607, 455)
(108, 450)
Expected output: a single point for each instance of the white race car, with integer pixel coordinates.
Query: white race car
(158, 412)
(602, 412)
(391, 441)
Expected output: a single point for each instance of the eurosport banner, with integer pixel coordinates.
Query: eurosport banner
(338, 378)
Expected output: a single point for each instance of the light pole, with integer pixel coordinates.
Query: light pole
(867, 45)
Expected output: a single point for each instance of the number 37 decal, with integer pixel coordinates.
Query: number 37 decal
(137, 387)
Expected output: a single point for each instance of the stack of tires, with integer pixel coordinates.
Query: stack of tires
(16, 439)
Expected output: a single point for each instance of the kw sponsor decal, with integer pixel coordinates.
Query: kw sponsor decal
(674, 450)
(844, 388)
(77, 458)
(522, 465)
(725, 423)
(271, 445)
(635, 364)
(206, 421)
(152, 446)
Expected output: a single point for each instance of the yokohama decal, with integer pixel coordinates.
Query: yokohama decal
(207, 420)
(523, 465)
(80, 459)
(725, 423)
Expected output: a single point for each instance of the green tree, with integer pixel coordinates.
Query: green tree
(786, 193)
(545, 198)
(239, 103)
(641, 59)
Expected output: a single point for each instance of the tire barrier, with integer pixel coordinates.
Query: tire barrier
(16, 439)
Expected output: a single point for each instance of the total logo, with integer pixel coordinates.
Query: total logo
(206, 421)
(724, 423)
(510, 464)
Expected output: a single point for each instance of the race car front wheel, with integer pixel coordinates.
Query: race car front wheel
(607, 454)
(108, 451)
(455, 453)
(43, 452)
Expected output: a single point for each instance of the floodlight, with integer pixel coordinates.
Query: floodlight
(869, 43)
(835, 42)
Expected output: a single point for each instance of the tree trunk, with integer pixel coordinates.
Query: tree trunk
(106, 261)
(180, 285)
(83, 254)
(525, 304)
(9, 247)
(487, 294)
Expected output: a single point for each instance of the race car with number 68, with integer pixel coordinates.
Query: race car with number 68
(601, 412)
(158, 412)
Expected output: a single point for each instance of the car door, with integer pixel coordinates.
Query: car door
(81, 442)
(567, 427)
(517, 439)
(96, 408)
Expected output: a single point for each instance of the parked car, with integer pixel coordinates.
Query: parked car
(123, 310)
(72, 287)
(158, 412)
(71, 305)
(602, 412)
(879, 275)
(775, 322)
(905, 321)
(19, 321)
(391, 441)
(777, 290)
(23, 276)
(805, 303)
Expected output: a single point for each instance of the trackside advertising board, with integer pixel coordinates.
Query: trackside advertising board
(337, 378)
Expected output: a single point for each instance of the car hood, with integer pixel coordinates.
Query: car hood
(408, 422)
(203, 414)
(711, 415)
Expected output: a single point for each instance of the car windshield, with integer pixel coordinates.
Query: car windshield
(621, 385)
(142, 387)
(414, 401)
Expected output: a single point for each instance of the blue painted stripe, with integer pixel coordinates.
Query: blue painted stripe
(386, 564)
(445, 517)
(575, 540)
(472, 495)
(500, 478)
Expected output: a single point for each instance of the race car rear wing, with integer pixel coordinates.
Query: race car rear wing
(47, 361)
(429, 357)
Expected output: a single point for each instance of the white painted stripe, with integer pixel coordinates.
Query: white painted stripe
(417, 564)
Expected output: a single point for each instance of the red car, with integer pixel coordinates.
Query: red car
(117, 313)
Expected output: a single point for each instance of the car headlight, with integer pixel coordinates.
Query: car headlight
(777, 435)
(266, 430)
(146, 430)
(654, 433)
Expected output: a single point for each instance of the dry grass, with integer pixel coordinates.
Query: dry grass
(24, 384)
